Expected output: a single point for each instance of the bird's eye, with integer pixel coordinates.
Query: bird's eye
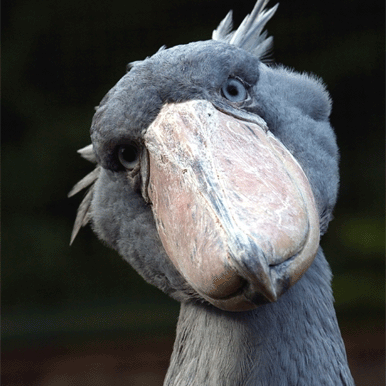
(128, 156)
(234, 90)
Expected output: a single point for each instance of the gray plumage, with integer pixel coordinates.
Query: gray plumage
(294, 341)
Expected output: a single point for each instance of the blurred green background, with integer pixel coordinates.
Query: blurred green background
(80, 312)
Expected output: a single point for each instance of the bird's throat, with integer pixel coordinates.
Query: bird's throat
(296, 339)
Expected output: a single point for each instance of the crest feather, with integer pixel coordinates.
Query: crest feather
(249, 36)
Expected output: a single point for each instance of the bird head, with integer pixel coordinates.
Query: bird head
(216, 173)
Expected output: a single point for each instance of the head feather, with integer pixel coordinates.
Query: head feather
(249, 36)
(83, 214)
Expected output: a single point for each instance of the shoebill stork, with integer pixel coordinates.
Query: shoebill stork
(215, 176)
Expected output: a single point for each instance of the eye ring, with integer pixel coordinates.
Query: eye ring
(128, 155)
(234, 90)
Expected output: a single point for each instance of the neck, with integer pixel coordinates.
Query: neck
(295, 341)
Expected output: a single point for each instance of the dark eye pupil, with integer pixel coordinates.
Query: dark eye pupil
(128, 156)
(129, 153)
(232, 90)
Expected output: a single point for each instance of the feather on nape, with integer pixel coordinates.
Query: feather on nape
(249, 36)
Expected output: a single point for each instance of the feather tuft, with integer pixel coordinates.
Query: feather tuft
(249, 36)
(83, 213)
(87, 153)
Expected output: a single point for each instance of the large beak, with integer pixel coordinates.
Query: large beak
(233, 208)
